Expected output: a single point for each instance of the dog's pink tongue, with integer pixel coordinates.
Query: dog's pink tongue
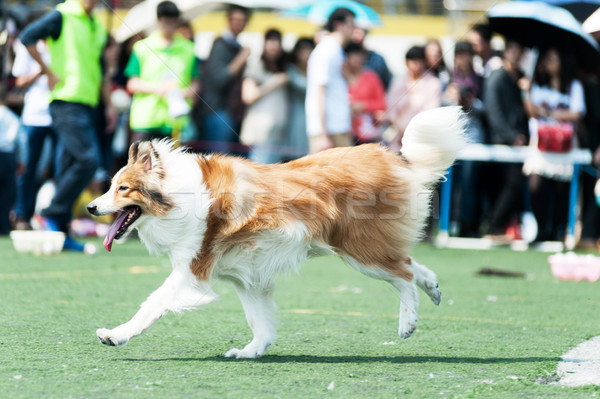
(112, 230)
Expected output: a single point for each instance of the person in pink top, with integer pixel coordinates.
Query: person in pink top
(417, 91)
(367, 96)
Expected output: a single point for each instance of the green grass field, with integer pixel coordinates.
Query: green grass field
(491, 336)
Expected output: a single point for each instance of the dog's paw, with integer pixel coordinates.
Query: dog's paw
(243, 353)
(406, 331)
(408, 323)
(430, 285)
(431, 288)
(108, 337)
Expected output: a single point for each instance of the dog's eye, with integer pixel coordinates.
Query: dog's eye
(123, 188)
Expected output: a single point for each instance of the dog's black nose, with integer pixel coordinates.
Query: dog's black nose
(92, 209)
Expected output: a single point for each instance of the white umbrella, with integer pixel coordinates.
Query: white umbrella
(592, 24)
(143, 16)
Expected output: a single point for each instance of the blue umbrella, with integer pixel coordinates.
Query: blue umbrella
(318, 12)
(537, 24)
(581, 9)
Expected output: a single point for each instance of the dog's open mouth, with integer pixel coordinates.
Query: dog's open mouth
(124, 219)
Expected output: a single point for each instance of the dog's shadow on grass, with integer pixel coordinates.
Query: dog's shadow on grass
(356, 359)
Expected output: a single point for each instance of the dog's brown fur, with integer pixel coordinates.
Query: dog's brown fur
(360, 212)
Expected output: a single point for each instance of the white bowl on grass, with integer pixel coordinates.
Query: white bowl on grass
(38, 242)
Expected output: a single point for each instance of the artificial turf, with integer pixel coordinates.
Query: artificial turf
(493, 337)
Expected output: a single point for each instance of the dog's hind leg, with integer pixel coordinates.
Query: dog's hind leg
(180, 291)
(260, 308)
(426, 280)
(409, 299)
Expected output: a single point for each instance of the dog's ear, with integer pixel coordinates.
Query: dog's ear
(133, 152)
(149, 158)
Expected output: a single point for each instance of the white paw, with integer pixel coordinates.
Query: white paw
(427, 281)
(253, 350)
(243, 353)
(431, 288)
(110, 337)
(408, 323)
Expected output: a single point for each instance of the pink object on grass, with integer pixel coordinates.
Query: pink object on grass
(573, 267)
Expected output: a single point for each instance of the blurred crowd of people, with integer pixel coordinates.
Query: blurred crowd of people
(87, 98)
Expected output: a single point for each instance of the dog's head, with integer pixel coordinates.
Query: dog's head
(136, 192)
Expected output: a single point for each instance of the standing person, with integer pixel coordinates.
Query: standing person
(507, 121)
(487, 60)
(434, 62)
(374, 61)
(13, 155)
(465, 90)
(37, 124)
(327, 100)
(264, 91)
(296, 140)
(162, 72)
(222, 87)
(556, 99)
(121, 99)
(367, 97)
(417, 91)
(194, 130)
(104, 132)
(590, 211)
(76, 40)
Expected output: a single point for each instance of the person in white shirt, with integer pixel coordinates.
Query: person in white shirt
(328, 120)
(37, 123)
(13, 153)
(555, 102)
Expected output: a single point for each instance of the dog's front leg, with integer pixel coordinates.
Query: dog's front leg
(180, 291)
(259, 307)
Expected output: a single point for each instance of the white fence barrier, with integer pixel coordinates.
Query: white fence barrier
(508, 154)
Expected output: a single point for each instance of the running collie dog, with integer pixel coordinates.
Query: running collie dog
(222, 217)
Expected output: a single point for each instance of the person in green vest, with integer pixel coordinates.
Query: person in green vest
(163, 76)
(76, 41)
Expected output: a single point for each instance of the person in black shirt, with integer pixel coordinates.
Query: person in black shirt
(507, 125)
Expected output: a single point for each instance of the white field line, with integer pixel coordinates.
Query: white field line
(580, 365)
(82, 273)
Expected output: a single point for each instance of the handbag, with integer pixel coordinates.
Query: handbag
(555, 136)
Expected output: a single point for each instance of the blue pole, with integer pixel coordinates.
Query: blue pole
(570, 242)
(446, 191)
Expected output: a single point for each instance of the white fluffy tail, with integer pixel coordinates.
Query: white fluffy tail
(432, 141)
